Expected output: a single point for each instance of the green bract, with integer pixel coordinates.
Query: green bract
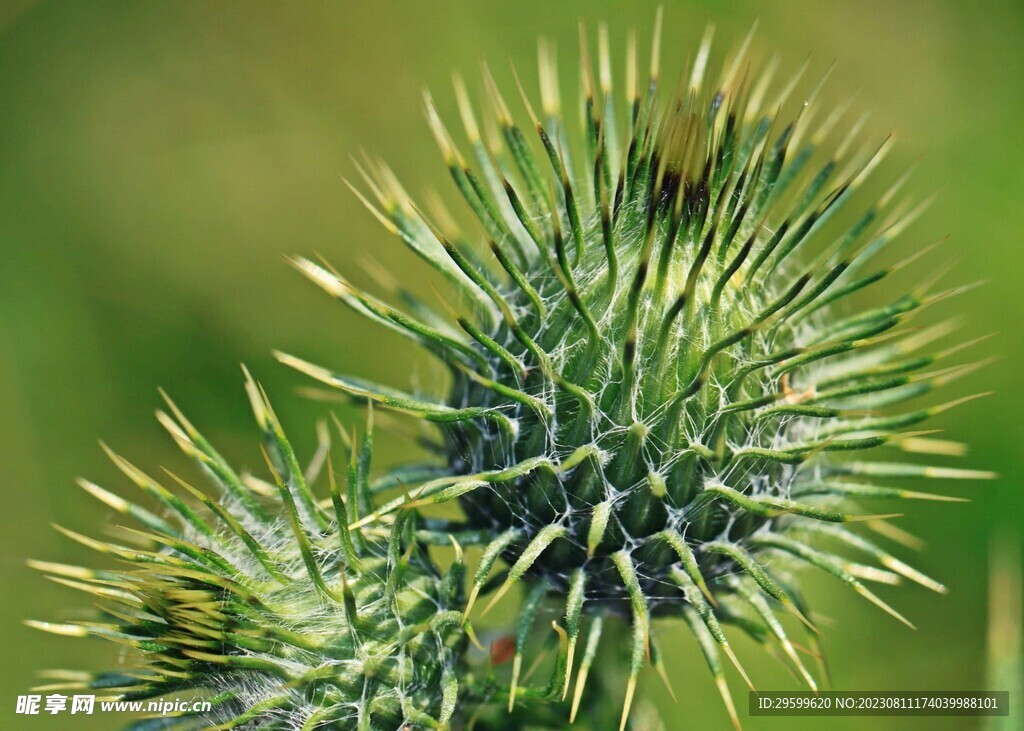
(660, 398)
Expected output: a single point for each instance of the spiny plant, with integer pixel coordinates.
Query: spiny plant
(261, 597)
(658, 384)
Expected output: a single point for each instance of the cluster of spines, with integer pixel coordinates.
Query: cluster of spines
(266, 601)
(648, 326)
(623, 299)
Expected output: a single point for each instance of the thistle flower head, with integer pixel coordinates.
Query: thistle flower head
(260, 599)
(662, 402)
(659, 393)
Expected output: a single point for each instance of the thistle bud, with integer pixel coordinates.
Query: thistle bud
(662, 401)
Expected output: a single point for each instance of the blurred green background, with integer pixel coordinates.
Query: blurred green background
(157, 159)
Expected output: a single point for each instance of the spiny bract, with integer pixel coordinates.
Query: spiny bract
(658, 382)
(267, 605)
